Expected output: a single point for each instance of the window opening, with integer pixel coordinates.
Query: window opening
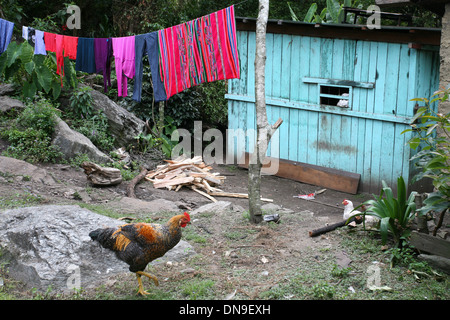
(335, 96)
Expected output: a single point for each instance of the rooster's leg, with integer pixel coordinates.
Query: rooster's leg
(141, 290)
(148, 275)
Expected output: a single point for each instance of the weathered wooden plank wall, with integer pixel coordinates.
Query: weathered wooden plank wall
(364, 138)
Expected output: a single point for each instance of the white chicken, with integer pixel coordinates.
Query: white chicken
(349, 211)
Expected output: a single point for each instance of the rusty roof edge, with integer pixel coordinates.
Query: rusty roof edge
(340, 25)
(427, 36)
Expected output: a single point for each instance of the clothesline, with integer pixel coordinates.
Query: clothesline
(182, 56)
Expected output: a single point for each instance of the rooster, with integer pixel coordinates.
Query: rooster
(138, 244)
(349, 211)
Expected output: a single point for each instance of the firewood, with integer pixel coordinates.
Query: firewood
(172, 182)
(203, 194)
(101, 176)
(193, 173)
(236, 195)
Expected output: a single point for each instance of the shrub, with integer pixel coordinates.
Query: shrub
(81, 102)
(30, 145)
(30, 134)
(433, 160)
(395, 214)
(95, 127)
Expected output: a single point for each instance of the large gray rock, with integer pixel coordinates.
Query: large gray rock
(218, 207)
(73, 143)
(20, 169)
(141, 207)
(9, 105)
(7, 89)
(50, 246)
(123, 125)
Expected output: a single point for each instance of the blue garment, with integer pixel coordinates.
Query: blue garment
(147, 44)
(39, 44)
(85, 55)
(6, 30)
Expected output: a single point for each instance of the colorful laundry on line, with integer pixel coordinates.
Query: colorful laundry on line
(182, 56)
(201, 50)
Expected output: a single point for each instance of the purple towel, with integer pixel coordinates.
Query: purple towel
(103, 54)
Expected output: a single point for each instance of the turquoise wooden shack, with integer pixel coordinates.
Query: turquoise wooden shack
(343, 92)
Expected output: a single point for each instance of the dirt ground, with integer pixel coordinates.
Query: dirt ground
(241, 259)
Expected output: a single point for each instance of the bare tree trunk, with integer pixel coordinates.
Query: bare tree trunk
(161, 119)
(264, 130)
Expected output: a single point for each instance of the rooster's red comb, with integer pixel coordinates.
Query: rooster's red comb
(187, 216)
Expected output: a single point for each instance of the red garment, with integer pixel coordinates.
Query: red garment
(60, 56)
(50, 41)
(63, 46)
(70, 47)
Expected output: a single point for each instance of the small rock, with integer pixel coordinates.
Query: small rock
(188, 270)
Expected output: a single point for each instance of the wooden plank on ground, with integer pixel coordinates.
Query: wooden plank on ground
(312, 174)
(428, 243)
(172, 182)
(235, 195)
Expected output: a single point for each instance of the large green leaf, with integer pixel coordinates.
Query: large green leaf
(39, 59)
(44, 77)
(12, 52)
(26, 52)
(29, 90)
(384, 227)
(293, 15)
(29, 67)
(70, 74)
(56, 89)
(311, 12)
(333, 10)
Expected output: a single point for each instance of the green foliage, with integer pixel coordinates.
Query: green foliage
(30, 134)
(332, 13)
(30, 145)
(161, 140)
(40, 115)
(395, 214)
(197, 289)
(323, 290)
(34, 73)
(81, 101)
(432, 138)
(128, 172)
(146, 142)
(94, 126)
